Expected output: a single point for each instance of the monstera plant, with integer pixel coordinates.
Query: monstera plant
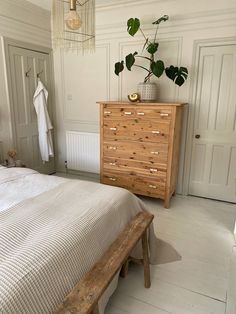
(155, 67)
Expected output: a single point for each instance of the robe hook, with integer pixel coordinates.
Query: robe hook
(38, 74)
(27, 73)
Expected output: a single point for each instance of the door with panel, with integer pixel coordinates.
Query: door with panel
(24, 61)
(213, 163)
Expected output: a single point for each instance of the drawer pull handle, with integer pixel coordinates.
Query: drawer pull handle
(112, 147)
(112, 163)
(127, 113)
(155, 132)
(112, 179)
(140, 113)
(153, 170)
(152, 186)
(107, 112)
(113, 129)
(155, 153)
(164, 114)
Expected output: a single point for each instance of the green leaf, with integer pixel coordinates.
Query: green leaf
(184, 72)
(119, 67)
(152, 48)
(130, 60)
(158, 68)
(171, 72)
(178, 75)
(133, 25)
(161, 19)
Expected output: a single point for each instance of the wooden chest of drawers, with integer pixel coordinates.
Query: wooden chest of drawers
(140, 147)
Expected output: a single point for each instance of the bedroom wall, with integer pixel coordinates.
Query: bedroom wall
(19, 20)
(83, 80)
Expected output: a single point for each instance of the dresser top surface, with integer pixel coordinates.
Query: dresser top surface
(128, 103)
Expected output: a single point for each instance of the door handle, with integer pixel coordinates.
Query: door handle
(197, 136)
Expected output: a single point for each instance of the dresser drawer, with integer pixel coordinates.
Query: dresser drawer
(149, 152)
(137, 130)
(116, 113)
(135, 167)
(159, 114)
(137, 184)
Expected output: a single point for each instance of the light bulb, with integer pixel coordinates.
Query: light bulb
(73, 20)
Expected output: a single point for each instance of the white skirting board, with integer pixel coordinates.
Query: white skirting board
(83, 151)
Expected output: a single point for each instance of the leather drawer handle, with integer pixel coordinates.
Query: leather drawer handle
(140, 113)
(112, 179)
(107, 112)
(153, 170)
(155, 153)
(112, 147)
(164, 114)
(113, 129)
(155, 132)
(152, 186)
(127, 113)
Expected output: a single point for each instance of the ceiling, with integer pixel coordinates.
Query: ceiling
(46, 4)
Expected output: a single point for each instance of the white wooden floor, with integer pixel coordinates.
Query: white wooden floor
(202, 233)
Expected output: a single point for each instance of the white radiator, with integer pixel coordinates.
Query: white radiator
(83, 151)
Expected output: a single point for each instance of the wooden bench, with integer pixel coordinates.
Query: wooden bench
(84, 298)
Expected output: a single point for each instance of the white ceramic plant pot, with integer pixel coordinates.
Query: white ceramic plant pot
(147, 91)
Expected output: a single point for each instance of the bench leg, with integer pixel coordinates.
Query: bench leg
(124, 269)
(146, 265)
(95, 310)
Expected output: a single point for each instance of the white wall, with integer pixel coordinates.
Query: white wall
(22, 21)
(91, 78)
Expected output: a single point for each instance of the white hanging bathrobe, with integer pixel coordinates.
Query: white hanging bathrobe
(44, 123)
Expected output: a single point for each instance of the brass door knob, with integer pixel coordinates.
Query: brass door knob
(197, 136)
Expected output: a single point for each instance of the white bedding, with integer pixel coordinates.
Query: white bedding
(52, 230)
(17, 184)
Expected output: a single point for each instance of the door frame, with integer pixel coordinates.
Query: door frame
(7, 42)
(198, 44)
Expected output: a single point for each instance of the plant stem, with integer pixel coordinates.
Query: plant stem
(144, 58)
(148, 77)
(139, 66)
(143, 33)
(156, 33)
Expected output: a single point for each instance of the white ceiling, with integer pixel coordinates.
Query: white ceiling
(46, 4)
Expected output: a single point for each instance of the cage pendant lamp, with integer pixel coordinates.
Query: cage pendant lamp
(73, 25)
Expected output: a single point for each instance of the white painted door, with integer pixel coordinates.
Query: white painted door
(25, 128)
(213, 164)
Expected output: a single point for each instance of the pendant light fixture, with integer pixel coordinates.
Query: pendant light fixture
(72, 18)
(73, 25)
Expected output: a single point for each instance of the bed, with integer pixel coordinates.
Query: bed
(52, 231)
